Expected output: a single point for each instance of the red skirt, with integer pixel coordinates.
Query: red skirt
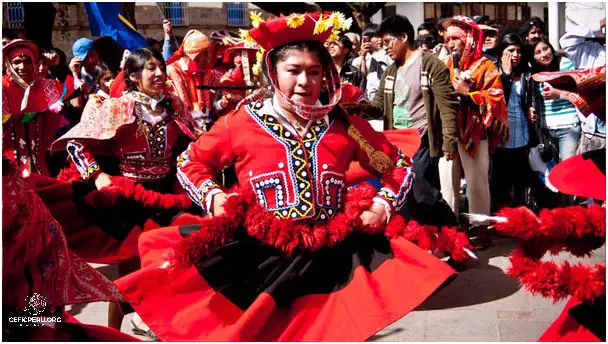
(578, 322)
(247, 291)
(99, 233)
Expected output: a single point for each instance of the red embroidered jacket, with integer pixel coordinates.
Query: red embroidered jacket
(116, 129)
(297, 178)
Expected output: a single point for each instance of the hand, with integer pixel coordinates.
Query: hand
(506, 62)
(374, 218)
(551, 93)
(461, 86)
(449, 155)
(366, 47)
(217, 204)
(532, 115)
(102, 180)
(74, 66)
(603, 22)
(168, 29)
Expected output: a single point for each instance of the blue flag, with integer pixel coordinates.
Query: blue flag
(105, 19)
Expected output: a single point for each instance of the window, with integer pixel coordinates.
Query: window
(235, 13)
(177, 13)
(504, 13)
(15, 15)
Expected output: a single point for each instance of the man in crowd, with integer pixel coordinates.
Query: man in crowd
(372, 68)
(415, 92)
(482, 119)
(534, 27)
(340, 50)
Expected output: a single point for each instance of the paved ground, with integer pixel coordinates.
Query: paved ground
(482, 304)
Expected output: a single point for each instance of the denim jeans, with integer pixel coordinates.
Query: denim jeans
(566, 139)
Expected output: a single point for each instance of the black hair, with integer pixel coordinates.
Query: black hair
(530, 23)
(99, 71)
(346, 42)
(370, 31)
(428, 40)
(529, 55)
(9, 33)
(152, 42)
(397, 25)
(513, 39)
(280, 54)
(135, 64)
(428, 26)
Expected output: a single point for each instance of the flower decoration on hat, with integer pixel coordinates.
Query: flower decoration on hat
(275, 32)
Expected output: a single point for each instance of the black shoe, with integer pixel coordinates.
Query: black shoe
(140, 332)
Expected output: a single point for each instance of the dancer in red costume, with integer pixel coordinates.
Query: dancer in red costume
(190, 67)
(122, 156)
(579, 230)
(37, 266)
(291, 255)
(30, 109)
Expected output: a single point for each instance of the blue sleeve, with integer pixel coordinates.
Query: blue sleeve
(168, 49)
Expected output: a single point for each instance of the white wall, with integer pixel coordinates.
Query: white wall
(414, 11)
(537, 9)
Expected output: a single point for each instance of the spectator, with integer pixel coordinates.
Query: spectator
(59, 71)
(440, 50)
(582, 45)
(510, 167)
(490, 45)
(483, 121)
(356, 39)
(154, 44)
(415, 92)
(102, 80)
(426, 42)
(558, 117)
(372, 68)
(82, 65)
(170, 42)
(427, 29)
(339, 51)
(533, 28)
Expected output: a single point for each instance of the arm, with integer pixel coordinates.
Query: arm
(378, 100)
(446, 101)
(377, 155)
(82, 158)
(575, 45)
(168, 48)
(202, 161)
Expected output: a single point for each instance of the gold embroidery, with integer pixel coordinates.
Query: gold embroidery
(377, 159)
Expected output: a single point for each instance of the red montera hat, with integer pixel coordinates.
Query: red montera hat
(316, 26)
(582, 175)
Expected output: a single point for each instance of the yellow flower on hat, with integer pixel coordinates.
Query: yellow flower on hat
(259, 55)
(294, 21)
(247, 39)
(337, 19)
(335, 35)
(256, 69)
(256, 18)
(322, 25)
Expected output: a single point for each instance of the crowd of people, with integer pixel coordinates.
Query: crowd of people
(271, 185)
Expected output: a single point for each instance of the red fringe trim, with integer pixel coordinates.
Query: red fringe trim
(288, 235)
(558, 281)
(126, 188)
(575, 229)
(69, 174)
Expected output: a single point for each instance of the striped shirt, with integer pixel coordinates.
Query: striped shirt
(559, 113)
(518, 124)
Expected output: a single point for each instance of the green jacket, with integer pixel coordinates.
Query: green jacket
(440, 103)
